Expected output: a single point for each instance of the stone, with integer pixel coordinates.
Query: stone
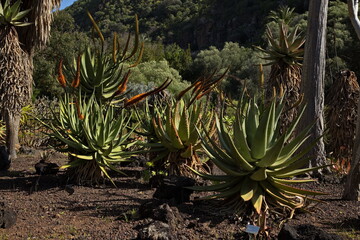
(173, 188)
(46, 168)
(308, 231)
(7, 216)
(146, 210)
(5, 160)
(305, 232)
(168, 215)
(157, 210)
(288, 232)
(156, 230)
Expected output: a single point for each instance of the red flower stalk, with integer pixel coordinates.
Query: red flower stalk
(61, 77)
(76, 81)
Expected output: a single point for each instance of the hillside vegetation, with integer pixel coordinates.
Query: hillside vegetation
(195, 37)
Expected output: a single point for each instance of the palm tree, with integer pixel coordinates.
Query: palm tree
(24, 27)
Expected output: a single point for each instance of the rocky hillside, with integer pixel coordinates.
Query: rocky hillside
(200, 23)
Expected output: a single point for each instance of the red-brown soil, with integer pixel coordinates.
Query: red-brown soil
(45, 210)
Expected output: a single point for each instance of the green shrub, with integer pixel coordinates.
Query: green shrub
(243, 63)
(154, 73)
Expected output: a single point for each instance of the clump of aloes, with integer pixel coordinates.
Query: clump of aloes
(172, 130)
(91, 128)
(94, 137)
(258, 162)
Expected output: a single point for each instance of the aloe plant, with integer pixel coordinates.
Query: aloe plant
(100, 71)
(172, 130)
(90, 129)
(257, 160)
(92, 136)
(179, 141)
(11, 14)
(284, 54)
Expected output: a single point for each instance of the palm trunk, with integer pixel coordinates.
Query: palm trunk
(12, 132)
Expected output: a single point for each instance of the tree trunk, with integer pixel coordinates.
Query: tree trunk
(12, 132)
(313, 76)
(353, 7)
(352, 185)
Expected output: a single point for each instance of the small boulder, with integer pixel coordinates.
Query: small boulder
(288, 232)
(7, 216)
(146, 210)
(46, 168)
(156, 230)
(157, 210)
(5, 160)
(305, 232)
(174, 188)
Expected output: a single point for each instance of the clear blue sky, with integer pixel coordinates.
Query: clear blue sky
(66, 3)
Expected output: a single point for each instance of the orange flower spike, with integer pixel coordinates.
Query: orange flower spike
(136, 98)
(207, 86)
(182, 93)
(81, 116)
(76, 81)
(197, 87)
(141, 96)
(123, 86)
(61, 77)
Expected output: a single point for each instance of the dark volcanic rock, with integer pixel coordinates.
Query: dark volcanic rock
(146, 210)
(305, 232)
(156, 230)
(173, 188)
(288, 232)
(164, 220)
(4, 159)
(45, 168)
(7, 216)
(157, 210)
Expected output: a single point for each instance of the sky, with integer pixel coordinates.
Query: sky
(66, 3)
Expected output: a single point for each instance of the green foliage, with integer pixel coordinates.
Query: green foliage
(92, 133)
(179, 58)
(161, 19)
(342, 42)
(154, 51)
(153, 74)
(171, 128)
(12, 14)
(287, 49)
(256, 160)
(283, 14)
(341, 39)
(176, 131)
(66, 42)
(243, 63)
(92, 128)
(201, 23)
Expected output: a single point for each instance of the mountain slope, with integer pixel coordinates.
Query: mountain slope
(200, 23)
